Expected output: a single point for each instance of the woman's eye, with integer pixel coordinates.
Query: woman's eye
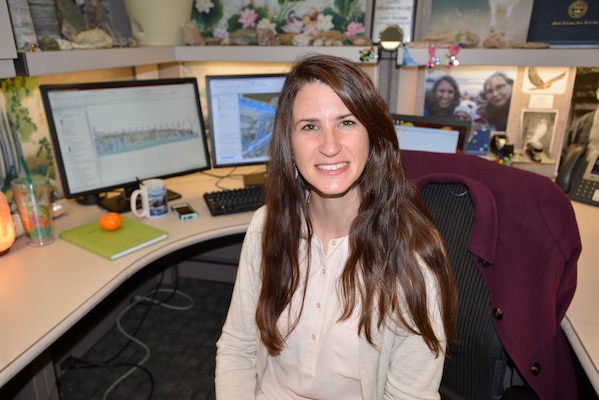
(309, 127)
(347, 123)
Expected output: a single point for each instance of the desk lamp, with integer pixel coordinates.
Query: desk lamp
(7, 226)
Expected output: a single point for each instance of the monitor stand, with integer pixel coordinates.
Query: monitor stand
(122, 202)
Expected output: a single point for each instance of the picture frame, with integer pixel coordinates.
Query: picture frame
(539, 126)
(294, 22)
(509, 21)
(564, 23)
(393, 12)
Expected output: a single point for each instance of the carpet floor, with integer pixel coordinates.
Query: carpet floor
(180, 341)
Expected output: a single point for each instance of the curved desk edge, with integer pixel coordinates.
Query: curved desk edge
(145, 257)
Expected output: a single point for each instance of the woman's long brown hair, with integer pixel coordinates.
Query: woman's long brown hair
(382, 274)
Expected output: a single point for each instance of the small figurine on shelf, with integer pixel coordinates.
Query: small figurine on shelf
(454, 49)
(433, 60)
(369, 54)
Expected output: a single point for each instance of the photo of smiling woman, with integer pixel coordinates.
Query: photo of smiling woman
(442, 99)
(344, 289)
(497, 93)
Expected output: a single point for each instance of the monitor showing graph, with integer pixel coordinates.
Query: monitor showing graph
(110, 135)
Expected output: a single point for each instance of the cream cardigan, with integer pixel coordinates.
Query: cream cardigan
(400, 367)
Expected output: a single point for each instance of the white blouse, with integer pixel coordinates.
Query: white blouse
(320, 355)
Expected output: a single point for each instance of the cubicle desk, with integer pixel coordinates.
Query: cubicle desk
(581, 324)
(45, 291)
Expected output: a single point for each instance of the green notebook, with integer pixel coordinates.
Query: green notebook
(131, 236)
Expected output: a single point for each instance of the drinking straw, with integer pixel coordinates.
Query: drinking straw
(27, 174)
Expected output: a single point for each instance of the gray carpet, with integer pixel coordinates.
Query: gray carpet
(182, 346)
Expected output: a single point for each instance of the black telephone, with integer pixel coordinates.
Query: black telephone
(578, 174)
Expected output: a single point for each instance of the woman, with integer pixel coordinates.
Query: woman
(443, 98)
(497, 91)
(343, 289)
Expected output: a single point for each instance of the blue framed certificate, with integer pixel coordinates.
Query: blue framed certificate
(565, 23)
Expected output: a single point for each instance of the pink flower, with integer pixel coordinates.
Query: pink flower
(248, 18)
(220, 32)
(354, 28)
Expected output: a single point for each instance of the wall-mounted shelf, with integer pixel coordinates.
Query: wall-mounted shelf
(261, 53)
(570, 57)
(63, 61)
(55, 62)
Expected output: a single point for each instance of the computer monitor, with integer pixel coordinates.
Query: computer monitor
(108, 136)
(435, 134)
(241, 111)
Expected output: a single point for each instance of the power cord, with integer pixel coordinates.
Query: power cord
(145, 299)
(135, 340)
(228, 175)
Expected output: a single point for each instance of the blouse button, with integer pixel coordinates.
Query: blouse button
(535, 369)
(318, 305)
(498, 313)
(313, 337)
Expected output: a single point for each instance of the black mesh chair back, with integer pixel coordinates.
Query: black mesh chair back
(476, 367)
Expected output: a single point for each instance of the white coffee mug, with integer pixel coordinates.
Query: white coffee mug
(153, 199)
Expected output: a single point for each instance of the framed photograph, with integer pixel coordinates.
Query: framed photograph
(480, 94)
(545, 80)
(538, 128)
(292, 22)
(393, 12)
(584, 106)
(482, 18)
(22, 23)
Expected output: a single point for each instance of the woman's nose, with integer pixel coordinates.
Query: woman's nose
(329, 144)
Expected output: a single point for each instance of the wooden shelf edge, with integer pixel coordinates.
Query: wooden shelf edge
(262, 53)
(54, 62)
(562, 57)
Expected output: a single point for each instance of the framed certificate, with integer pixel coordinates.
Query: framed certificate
(565, 23)
(393, 12)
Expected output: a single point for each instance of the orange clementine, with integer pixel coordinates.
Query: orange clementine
(111, 221)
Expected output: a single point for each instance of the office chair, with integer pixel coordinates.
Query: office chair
(477, 368)
(455, 188)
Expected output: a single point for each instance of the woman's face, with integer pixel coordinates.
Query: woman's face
(330, 146)
(445, 93)
(497, 91)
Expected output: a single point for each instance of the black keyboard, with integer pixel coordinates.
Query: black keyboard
(230, 201)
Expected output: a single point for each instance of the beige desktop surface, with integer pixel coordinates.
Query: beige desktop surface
(45, 291)
(582, 318)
